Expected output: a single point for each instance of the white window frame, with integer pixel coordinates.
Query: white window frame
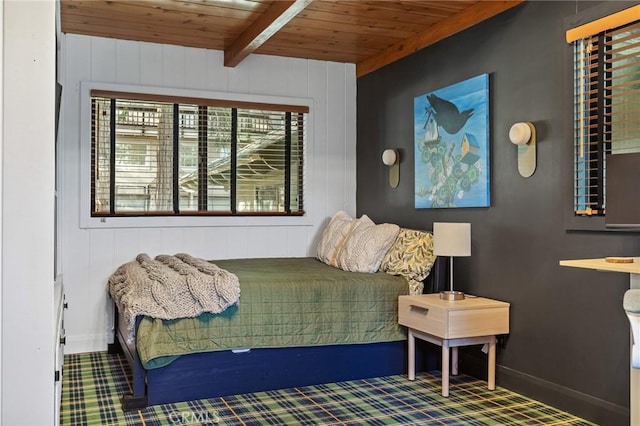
(86, 221)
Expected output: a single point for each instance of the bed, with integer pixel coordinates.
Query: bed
(299, 321)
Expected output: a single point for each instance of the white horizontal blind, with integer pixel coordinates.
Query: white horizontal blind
(607, 109)
(152, 157)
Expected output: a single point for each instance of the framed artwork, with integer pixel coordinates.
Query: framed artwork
(451, 143)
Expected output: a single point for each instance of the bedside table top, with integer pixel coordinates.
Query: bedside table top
(469, 302)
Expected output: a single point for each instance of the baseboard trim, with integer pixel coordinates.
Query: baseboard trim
(86, 343)
(577, 403)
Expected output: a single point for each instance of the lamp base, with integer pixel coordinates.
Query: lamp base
(451, 295)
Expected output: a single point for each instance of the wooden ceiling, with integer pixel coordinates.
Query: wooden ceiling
(370, 34)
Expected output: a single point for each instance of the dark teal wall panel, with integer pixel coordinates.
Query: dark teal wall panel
(568, 329)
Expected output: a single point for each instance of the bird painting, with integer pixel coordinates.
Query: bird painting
(447, 115)
(451, 138)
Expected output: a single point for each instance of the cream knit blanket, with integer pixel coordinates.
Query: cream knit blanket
(171, 287)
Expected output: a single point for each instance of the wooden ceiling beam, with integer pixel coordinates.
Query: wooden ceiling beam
(477, 13)
(269, 23)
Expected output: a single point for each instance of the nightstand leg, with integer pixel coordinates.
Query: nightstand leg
(445, 368)
(492, 363)
(454, 361)
(411, 340)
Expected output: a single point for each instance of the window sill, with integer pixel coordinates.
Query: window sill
(191, 221)
(593, 224)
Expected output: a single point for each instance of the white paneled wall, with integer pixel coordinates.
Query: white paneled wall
(27, 133)
(90, 254)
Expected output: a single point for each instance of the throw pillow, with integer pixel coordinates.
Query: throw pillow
(334, 236)
(410, 256)
(366, 245)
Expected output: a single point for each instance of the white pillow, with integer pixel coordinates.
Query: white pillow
(366, 245)
(334, 236)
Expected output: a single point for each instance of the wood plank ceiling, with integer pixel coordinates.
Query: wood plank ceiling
(370, 34)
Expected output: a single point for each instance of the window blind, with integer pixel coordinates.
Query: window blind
(151, 156)
(606, 109)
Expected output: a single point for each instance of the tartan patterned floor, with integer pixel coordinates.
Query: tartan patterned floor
(93, 382)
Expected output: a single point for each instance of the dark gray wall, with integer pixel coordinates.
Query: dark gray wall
(569, 339)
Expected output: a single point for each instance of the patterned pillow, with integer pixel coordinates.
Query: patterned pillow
(334, 236)
(366, 245)
(410, 256)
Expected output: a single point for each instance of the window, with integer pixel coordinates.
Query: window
(606, 103)
(152, 155)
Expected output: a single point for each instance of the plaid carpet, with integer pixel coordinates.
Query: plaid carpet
(92, 384)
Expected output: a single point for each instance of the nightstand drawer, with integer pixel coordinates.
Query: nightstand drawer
(413, 314)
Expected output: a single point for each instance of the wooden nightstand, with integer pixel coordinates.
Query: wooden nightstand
(450, 324)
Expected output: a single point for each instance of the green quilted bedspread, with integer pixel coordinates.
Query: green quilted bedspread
(283, 302)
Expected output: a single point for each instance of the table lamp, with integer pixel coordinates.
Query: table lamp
(453, 240)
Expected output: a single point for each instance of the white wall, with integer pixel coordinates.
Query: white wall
(90, 254)
(28, 99)
(1, 181)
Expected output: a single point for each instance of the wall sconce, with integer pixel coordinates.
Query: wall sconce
(391, 158)
(524, 136)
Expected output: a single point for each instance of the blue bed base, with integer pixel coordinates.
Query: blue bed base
(220, 373)
(215, 374)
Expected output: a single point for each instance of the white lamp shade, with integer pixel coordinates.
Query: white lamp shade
(451, 239)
